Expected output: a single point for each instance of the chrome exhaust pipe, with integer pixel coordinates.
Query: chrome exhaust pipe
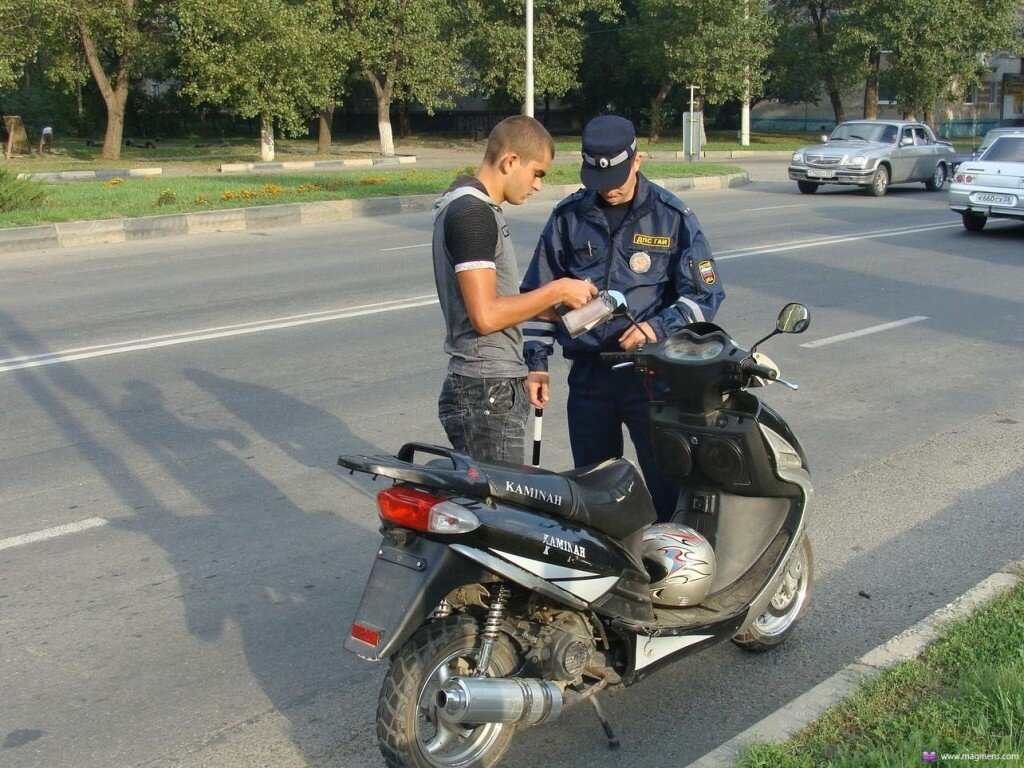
(475, 700)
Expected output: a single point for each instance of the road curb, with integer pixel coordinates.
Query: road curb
(106, 173)
(104, 231)
(788, 720)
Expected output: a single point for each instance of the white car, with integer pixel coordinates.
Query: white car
(991, 186)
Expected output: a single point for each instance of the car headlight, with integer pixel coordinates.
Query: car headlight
(857, 161)
(797, 157)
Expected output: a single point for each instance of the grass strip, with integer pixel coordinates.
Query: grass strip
(131, 197)
(962, 699)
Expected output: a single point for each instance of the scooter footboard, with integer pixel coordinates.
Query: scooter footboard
(406, 584)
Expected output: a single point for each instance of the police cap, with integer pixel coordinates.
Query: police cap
(609, 146)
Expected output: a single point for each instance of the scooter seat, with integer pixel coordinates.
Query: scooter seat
(612, 498)
(609, 497)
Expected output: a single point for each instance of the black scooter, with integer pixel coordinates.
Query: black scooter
(503, 593)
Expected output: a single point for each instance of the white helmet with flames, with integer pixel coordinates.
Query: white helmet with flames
(681, 564)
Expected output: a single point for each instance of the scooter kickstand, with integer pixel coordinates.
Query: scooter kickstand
(613, 740)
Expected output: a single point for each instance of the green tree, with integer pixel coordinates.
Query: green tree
(19, 41)
(408, 49)
(498, 50)
(934, 54)
(718, 46)
(111, 42)
(266, 59)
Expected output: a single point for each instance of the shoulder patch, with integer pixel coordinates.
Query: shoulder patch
(707, 272)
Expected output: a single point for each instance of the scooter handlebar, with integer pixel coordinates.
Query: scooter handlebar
(750, 368)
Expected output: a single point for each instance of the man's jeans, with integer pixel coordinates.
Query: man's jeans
(485, 418)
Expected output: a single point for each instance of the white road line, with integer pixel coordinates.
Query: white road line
(794, 245)
(407, 247)
(153, 342)
(863, 332)
(50, 533)
(777, 207)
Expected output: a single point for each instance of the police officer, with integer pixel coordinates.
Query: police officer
(625, 233)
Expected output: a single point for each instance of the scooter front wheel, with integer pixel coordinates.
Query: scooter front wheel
(408, 729)
(787, 606)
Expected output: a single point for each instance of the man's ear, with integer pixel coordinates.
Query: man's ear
(508, 162)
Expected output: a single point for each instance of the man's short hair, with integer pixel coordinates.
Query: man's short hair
(520, 134)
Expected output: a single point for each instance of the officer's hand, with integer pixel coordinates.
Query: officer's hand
(574, 293)
(633, 338)
(537, 388)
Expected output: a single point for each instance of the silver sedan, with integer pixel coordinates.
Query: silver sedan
(991, 187)
(873, 154)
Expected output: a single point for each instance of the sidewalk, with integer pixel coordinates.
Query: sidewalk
(790, 719)
(103, 231)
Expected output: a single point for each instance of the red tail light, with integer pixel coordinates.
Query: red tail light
(407, 507)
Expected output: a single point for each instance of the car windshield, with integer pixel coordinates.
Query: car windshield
(880, 132)
(1006, 149)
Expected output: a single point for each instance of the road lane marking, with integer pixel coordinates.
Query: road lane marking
(864, 332)
(407, 247)
(188, 337)
(777, 207)
(739, 253)
(51, 533)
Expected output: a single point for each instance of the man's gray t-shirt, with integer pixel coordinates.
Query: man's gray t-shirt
(498, 354)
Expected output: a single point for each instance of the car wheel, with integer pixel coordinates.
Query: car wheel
(807, 187)
(880, 183)
(974, 222)
(934, 184)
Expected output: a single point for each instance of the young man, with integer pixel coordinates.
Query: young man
(483, 405)
(621, 232)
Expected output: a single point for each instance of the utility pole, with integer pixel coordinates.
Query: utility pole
(745, 112)
(528, 99)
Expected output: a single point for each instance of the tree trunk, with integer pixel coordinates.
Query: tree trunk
(656, 104)
(819, 18)
(871, 85)
(266, 138)
(114, 96)
(382, 88)
(404, 124)
(115, 125)
(929, 117)
(323, 138)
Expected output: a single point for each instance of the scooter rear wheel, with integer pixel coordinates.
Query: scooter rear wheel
(408, 729)
(786, 608)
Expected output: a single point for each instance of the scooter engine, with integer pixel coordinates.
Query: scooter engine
(564, 647)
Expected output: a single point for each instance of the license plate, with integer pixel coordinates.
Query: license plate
(987, 198)
(815, 173)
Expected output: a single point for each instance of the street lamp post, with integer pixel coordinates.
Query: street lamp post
(528, 98)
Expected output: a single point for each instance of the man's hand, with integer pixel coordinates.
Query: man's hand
(537, 388)
(574, 293)
(633, 338)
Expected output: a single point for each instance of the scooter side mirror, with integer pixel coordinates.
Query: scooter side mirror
(794, 318)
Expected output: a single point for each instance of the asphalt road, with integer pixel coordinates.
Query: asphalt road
(183, 402)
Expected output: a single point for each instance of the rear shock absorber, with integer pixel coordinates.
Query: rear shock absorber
(492, 628)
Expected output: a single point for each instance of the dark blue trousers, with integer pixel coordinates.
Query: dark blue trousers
(601, 400)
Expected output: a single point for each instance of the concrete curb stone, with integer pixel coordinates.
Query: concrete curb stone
(99, 232)
(319, 165)
(793, 717)
(106, 173)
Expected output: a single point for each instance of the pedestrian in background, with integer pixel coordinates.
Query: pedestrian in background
(483, 404)
(625, 233)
